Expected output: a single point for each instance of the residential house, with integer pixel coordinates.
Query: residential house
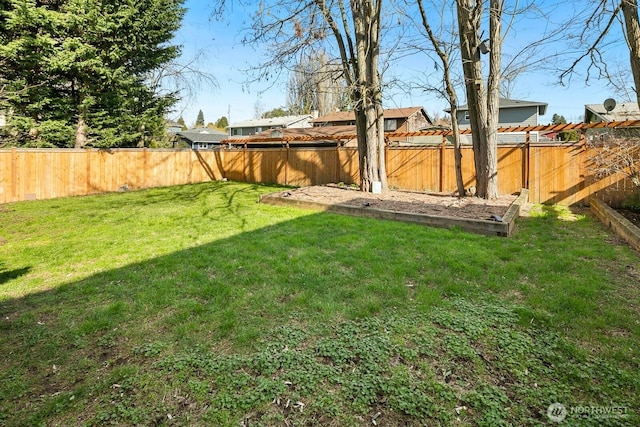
(201, 138)
(408, 119)
(623, 111)
(172, 127)
(326, 136)
(335, 128)
(512, 112)
(254, 126)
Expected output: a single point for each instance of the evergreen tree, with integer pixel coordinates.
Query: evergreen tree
(557, 119)
(183, 125)
(200, 119)
(75, 71)
(222, 123)
(565, 135)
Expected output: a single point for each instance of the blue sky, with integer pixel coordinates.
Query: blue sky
(225, 57)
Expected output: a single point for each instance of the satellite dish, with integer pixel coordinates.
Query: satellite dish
(609, 104)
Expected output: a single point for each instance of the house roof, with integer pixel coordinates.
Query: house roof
(314, 133)
(512, 103)
(622, 112)
(203, 135)
(390, 113)
(284, 121)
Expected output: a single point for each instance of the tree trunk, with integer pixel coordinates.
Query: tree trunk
(457, 151)
(493, 97)
(451, 95)
(367, 95)
(469, 26)
(483, 105)
(382, 158)
(81, 133)
(630, 12)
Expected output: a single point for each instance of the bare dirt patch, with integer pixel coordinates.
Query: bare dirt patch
(435, 204)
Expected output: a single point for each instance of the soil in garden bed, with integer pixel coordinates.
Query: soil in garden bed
(436, 204)
(631, 215)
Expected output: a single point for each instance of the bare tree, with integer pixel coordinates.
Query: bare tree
(632, 26)
(182, 77)
(611, 155)
(293, 29)
(483, 103)
(316, 83)
(444, 50)
(598, 21)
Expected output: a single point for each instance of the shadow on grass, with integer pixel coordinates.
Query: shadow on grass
(6, 275)
(90, 336)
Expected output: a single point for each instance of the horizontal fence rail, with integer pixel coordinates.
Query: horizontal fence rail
(553, 172)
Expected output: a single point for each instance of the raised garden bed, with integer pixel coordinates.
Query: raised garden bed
(624, 228)
(435, 210)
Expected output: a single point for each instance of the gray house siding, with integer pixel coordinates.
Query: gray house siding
(522, 116)
(245, 131)
(512, 113)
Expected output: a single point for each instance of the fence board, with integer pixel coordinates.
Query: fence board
(348, 165)
(556, 173)
(510, 169)
(414, 168)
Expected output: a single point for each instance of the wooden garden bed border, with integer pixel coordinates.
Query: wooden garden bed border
(612, 219)
(502, 228)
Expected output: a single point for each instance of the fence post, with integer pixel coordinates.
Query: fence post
(386, 158)
(244, 163)
(582, 160)
(443, 148)
(14, 175)
(88, 187)
(145, 159)
(286, 163)
(338, 161)
(526, 161)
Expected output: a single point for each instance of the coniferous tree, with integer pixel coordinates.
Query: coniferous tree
(182, 124)
(75, 71)
(200, 119)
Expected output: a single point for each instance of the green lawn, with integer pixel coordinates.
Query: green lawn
(196, 305)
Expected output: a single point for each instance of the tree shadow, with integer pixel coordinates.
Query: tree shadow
(7, 275)
(91, 337)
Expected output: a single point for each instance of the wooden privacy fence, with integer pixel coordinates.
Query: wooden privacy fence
(553, 173)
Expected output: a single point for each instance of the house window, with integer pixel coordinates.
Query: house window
(390, 124)
(202, 146)
(258, 129)
(466, 115)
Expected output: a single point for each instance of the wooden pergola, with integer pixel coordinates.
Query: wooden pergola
(581, 127)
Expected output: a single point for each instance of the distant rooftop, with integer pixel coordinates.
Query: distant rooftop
(622, 112)
(203, 135)
(284, 121)
(389, 113)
